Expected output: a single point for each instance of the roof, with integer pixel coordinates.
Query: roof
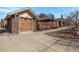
(60, 19)
(41, 19)
(14, 12)
(43, 16)
(21, 10)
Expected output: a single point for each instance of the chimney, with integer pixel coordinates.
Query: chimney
(52, 16)
(61, 16)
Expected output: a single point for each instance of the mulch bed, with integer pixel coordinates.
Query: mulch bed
(70, 34)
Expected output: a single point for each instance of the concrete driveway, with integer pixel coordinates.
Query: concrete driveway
(35, 42)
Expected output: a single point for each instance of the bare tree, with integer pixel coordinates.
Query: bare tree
(68, 21)
(77, 16)
(74, 17)
(43, 15)
(46, 16)
(51, 16)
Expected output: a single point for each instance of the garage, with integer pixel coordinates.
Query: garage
(25, 24)
(23, 20)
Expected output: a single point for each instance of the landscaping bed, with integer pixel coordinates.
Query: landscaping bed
(68, 34)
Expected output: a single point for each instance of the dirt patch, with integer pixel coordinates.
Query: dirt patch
(68, 34)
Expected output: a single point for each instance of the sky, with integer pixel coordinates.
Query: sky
(56, 11)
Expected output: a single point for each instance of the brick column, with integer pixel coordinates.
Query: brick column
(57, 24)
(15, 24)
(33, 25)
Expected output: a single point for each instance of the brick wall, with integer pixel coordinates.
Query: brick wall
(9, 25)
(15, 24)
(46, 24)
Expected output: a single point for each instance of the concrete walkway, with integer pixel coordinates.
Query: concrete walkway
(35, 42)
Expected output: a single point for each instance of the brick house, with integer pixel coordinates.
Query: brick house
(60, 22)
(26, 20)
(3, 24)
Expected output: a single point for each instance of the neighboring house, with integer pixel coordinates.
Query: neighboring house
(0, 24)
(3, 23)
(26, 20)
(60, 22)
